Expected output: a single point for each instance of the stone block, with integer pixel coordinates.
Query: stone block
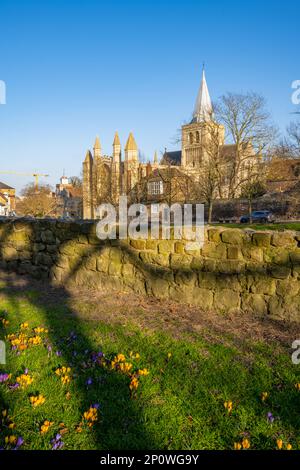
(233, 237)
(283, 239)
(179, 248)
(138, 244)
(226, 300)
(280, 272)
(151, 245)
(212, 250)
(166, 246)
(263, 285)
(287, 287)
(254, 303)
(214, 235)
(234, 252)
(180, 261)
(8, 252)
(261, 239)
(48, 237)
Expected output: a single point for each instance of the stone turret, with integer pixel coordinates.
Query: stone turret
(97, 148)
(131, 149)
(131, 164)
(117, 149)
(88, 211)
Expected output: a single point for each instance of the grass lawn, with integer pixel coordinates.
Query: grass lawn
(205, 389)
(275, 226)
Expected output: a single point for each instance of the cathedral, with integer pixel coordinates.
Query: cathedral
(178, 173)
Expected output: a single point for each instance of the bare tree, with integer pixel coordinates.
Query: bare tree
(293, 140)
(289, 146)
(254, 187)
(41, 203)
(76, 181)
(249, 127)
(213, 165)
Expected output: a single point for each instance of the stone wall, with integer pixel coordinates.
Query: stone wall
(258, 272)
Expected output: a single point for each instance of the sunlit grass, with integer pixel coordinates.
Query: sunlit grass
(180, 404)
(275, 226)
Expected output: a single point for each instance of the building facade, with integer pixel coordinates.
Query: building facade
(107, 177)
(68, 198)
(7, 199)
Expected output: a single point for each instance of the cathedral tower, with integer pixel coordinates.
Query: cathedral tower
(196, 134)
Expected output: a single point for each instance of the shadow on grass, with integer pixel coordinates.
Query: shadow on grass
(120, 425)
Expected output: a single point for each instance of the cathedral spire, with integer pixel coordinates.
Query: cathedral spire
(131, 149)
(131, 144)
(116, 139)
(203, 106)
(97, 148)
(88, 157)
(97, 144)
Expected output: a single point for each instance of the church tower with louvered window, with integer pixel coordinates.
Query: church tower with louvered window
(196, 134)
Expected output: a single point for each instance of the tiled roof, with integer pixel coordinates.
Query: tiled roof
(171, 158)
(5, 186)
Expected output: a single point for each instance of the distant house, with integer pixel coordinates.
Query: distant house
(69, 199)
(167, 185)
(7, 199)
(283, 174)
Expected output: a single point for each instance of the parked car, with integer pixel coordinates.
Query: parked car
(258, 216)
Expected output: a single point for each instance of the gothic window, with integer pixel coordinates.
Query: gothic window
(155, 188)
(103, 183)
(191, 137)
(197, 137)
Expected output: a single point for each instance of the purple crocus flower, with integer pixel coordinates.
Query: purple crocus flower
(270, 417)
(58, 353)
(20, 442)
(14, 386)
(57, 443)
(95, 356)
(4, 378)
(89, 381)
(26, 371)
(96, 405)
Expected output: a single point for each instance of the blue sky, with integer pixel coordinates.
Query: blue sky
(76, 69)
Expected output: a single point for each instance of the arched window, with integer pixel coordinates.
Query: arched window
(197, 137)
(191, 138)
